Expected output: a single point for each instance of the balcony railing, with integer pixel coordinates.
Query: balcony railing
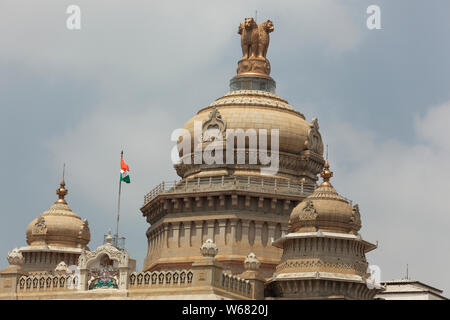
(257, 184)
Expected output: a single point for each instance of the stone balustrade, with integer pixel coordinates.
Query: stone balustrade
(233, 283)
(47, 282)
(160, 279)
(251, 183)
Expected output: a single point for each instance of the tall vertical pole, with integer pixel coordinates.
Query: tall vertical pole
(118, 203)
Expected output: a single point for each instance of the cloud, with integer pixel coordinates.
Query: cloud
(157, 37)
(403, 194)
(92, 153)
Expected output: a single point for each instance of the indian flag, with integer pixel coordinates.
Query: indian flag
(124, 171)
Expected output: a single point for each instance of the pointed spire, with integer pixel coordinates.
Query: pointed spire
(326, 174)
(61, 192)
(109, 238)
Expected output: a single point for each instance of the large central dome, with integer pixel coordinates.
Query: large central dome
(300, 143)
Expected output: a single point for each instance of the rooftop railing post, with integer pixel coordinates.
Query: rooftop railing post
(248, 182)
(301, 187)
(223, 180)
(275, 186)
(198, 181)
(210, 181)
(163, 186)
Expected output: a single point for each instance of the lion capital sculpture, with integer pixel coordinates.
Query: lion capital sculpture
(255, 38)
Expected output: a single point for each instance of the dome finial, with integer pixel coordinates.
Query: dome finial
(326, 173)
(62, 191)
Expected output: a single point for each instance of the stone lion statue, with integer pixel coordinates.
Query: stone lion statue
(249, 38)
(255, 38)
(263, 38)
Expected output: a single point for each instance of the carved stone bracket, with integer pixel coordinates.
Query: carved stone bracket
(39, 228)
(314, 141)
(308, 212)
(214, 127)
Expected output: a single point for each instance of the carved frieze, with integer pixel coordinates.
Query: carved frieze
(39, 228)
(213, 128)
(308, 212)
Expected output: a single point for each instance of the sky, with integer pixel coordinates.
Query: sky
(136, 71)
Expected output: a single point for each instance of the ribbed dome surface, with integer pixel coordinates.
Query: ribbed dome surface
(257, 110)
(59, 226)
(326, 210)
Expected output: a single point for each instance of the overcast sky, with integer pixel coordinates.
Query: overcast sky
(138, 70)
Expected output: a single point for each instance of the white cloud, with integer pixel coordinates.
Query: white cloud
(92, 153)
(160, 38)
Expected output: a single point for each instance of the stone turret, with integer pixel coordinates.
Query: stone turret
(324, 257)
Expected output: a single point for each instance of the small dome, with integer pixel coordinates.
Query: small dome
(325, 210)
(59, 226)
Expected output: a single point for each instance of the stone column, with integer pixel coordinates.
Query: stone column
(210, 231)
(233, 226)
(258, 233)
(271, 233)
(220, 241)
(84, 279)
(245, 234)
(123, 280)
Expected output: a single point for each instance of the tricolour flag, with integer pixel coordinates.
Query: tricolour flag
(124, 171)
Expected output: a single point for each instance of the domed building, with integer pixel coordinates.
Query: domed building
(246, 219)
(324, 257)
(57, 235)
(265, 160)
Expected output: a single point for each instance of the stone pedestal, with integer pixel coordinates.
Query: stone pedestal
(207, 272)
(8, 280)
(259, 67)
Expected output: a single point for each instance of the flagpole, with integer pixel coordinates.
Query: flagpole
(118, 206)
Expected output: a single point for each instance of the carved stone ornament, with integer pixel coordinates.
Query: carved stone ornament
(88, 257)
(214, 127)
(355, 220)
(251, 262)
(15, 257)
(314, 141)
(209, 249)
(39, 227)
(61, 267)
(308, 212)
(84, 230)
